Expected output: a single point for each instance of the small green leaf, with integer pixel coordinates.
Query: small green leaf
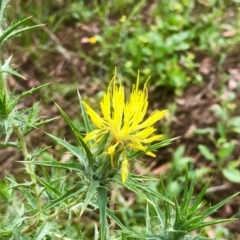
(226, 149)
(178, 153)
(234, 122)
(204, 131)
(231, 174)
(206, 152)
(233, 164)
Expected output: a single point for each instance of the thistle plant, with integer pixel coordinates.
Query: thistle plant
(54, 196)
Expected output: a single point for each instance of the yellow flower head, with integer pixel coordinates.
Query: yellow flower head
(123, 19)
(124, 120)
(92, 40)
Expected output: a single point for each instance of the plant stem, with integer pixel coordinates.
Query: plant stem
(102, 203)
(29, 167)
(3, 85)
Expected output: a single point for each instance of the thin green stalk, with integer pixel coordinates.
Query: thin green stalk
(3, 85)
(29, 167)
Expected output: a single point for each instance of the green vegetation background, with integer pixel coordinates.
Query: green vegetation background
(82, 43)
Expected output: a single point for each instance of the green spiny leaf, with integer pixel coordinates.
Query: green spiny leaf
(84, 114)
(30, 198)
(11, 31)
(74, 150)
(50, 188)
(102, 202)
(73, 192)
(115, 219)
(26, 93)
(90, 193)
(90, 159)
(72, 166)
(213, 209)
(7, 69)
(44, 230)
